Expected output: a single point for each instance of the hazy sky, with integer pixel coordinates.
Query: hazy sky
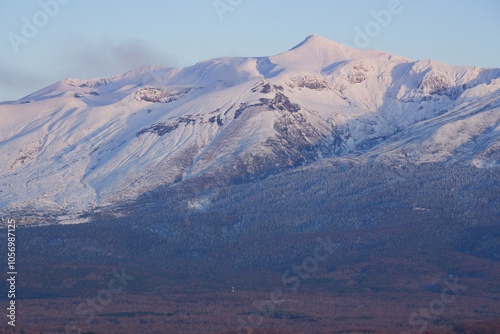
(42, 43)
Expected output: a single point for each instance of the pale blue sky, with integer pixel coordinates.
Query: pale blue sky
(85, 39)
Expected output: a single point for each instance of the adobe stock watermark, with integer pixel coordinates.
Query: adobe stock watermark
(436, 307)
(291, 280)
(31, 26)
(381, 19)
(89, 308)
(224, 6)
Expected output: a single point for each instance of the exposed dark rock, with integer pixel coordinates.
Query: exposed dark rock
(266, 89)
(156, 95)
(357, 78)
(159, 128)
(240, 110)
(311, 83)
(280, 102)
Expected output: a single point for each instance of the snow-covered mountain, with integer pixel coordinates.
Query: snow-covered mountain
(81, 144)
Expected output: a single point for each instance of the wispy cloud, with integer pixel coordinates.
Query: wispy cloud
(108, 57)
(82, 59)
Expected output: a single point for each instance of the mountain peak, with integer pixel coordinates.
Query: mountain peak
(314, 53)
(315, 41)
